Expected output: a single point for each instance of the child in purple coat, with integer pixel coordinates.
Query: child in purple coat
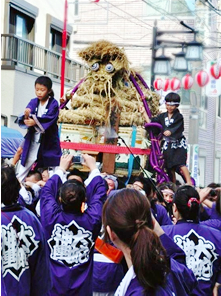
(42, 144)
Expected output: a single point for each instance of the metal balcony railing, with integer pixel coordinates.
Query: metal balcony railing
(17, 51)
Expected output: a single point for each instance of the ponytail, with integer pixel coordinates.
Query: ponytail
(149, 259)
(187, 202)
(128, 214)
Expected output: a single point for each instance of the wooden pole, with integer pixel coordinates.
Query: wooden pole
(108, 159)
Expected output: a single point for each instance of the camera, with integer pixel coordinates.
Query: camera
(78, 159)
(213, 192)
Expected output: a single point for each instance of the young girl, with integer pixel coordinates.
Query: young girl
(174, 146)
(42, 143)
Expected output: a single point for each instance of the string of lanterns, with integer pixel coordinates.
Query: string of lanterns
(201, 78)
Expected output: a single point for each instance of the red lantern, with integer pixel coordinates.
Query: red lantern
(175, 84)
(166, 84)
(157, 84)
(215, 71)
(219, 67)
(187, 81)
(202, 78)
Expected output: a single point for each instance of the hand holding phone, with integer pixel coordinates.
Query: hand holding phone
(78, 159)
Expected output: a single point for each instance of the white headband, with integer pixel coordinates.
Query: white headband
(172, 103)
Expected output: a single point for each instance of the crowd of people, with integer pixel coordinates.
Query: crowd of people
(68, 233)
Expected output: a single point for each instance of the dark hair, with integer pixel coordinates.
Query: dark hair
(10, 186)
(147, 185)
(76, 172)
(218, 202)
(218, 194)
(172, 97)
(214, 185)
(72, 194)
(168, 205)
(128, 214)
(106, 185)
(37, 174)
(165, 185)
(187, 201)
(47, 82)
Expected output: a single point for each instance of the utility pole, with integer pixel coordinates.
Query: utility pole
(154, 41)
(64, 44)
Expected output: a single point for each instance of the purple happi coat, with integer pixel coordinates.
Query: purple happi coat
(71, 237)
(202, 246)
(180, 281)
(175, 146)
(25, 258)
(49, 152)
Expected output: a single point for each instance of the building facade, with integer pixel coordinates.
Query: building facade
(31, 46)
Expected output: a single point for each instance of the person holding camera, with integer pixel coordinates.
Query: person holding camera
(70, 233)
(200, 243)
(214, 206)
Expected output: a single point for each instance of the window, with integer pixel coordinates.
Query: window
(219, 106)
(182, 7)
(185, 96)
(203, 102)
(54, 30)
(202, 119)
(202, 170)
(21, 24)
(209, 17)
(160, 8)
(156, 8)
(203, 111)
(56, 40)
(76, 7)
(217, 170)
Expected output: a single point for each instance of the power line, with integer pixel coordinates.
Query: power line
(129, 14)
(210, 6)
(160, 10)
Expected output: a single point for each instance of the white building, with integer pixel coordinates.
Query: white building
(31, 46)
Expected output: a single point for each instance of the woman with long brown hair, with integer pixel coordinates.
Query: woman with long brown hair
(128, 222)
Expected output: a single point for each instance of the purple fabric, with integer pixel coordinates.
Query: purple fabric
(214, 214)
(25, 260)
(180, 281)
(203, 252)
(73, 92)
(135, 289)
(106, 276)
(71, 237)
(161, 215)
(49, 151)
(214, 223)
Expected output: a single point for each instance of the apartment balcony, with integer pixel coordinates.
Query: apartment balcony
(29, 56)
(22, 61)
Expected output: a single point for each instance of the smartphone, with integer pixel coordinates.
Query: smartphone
(77, 159)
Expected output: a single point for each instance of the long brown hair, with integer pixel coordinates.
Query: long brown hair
(128, 214)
